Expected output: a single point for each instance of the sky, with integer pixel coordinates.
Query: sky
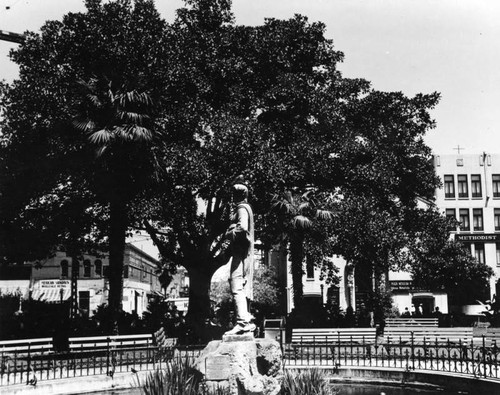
(413, 46)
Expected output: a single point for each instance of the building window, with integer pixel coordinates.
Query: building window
(98, 267)
(451, 216)
(105, 271)
(498, 254)
(496, 185)
(125, 271)
(477, 218)
(449, 186)
(86, 268)
(475, 183)
(463, 190)
(479, 252)
(64, 269)
(464, 219)
(496, 218)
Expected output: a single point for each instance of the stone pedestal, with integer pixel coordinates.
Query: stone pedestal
(246, 365)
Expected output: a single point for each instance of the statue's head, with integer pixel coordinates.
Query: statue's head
(240, 190)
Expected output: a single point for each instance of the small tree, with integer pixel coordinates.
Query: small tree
(296, 215)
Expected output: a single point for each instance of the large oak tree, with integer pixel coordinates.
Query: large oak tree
(167, 115)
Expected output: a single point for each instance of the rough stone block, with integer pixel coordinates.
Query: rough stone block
(245, 367)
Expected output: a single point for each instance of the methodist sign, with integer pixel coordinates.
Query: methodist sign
(473, 238)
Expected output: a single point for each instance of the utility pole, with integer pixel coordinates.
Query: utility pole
(12, 37)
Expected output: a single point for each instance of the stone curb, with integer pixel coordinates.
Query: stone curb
(78, 385)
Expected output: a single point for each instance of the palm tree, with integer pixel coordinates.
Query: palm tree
(296, 214)
(117, 123)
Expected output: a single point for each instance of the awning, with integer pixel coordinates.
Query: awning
(423, 295)
(51, 295)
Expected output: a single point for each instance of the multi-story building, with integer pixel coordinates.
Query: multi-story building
(471, 195)
(50, 280)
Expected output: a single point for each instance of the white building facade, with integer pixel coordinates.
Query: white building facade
(50, 281)
(471, 195)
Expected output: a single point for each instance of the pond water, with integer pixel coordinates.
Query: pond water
(367, 389)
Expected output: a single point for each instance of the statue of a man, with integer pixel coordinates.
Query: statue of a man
(241, 237)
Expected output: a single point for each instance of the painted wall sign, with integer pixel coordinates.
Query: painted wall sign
(50, 284)
(484, 237)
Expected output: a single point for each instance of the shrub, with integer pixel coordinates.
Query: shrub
(306, 382)
(178, 378)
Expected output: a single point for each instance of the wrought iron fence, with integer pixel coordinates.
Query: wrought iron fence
(477, 359)
(28, 367)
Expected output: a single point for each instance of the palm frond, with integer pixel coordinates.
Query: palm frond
(303, 206)
(284, 206)
(289, 197)
(94, 99)
(301, 222)
(134, 133)
(102, 136)
(130, 116)
(324, 214)
(101, 150)
(84, 125)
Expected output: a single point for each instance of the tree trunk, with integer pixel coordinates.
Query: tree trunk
(199, 309)
(297, 260)
(117, 234)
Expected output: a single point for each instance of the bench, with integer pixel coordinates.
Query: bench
(164, 344)
(27, 346)
(13, 351)
(102, 343)
(334, 335)
(411, 322)
(431, 334)
(491, 337)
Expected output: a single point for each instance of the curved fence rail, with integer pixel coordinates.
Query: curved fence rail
(475, 358)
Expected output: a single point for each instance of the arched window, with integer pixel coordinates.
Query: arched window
(98, 267)
(64, 268)
(86, 268)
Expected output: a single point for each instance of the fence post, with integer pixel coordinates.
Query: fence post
(412, 344)
(107, 355)
(28, 368)
(484, 358)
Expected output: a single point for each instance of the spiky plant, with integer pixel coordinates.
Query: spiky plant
(306, 382)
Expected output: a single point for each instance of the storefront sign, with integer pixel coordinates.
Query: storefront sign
(484, 238)
(181, 303)
(405, 285)
(53, 284)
